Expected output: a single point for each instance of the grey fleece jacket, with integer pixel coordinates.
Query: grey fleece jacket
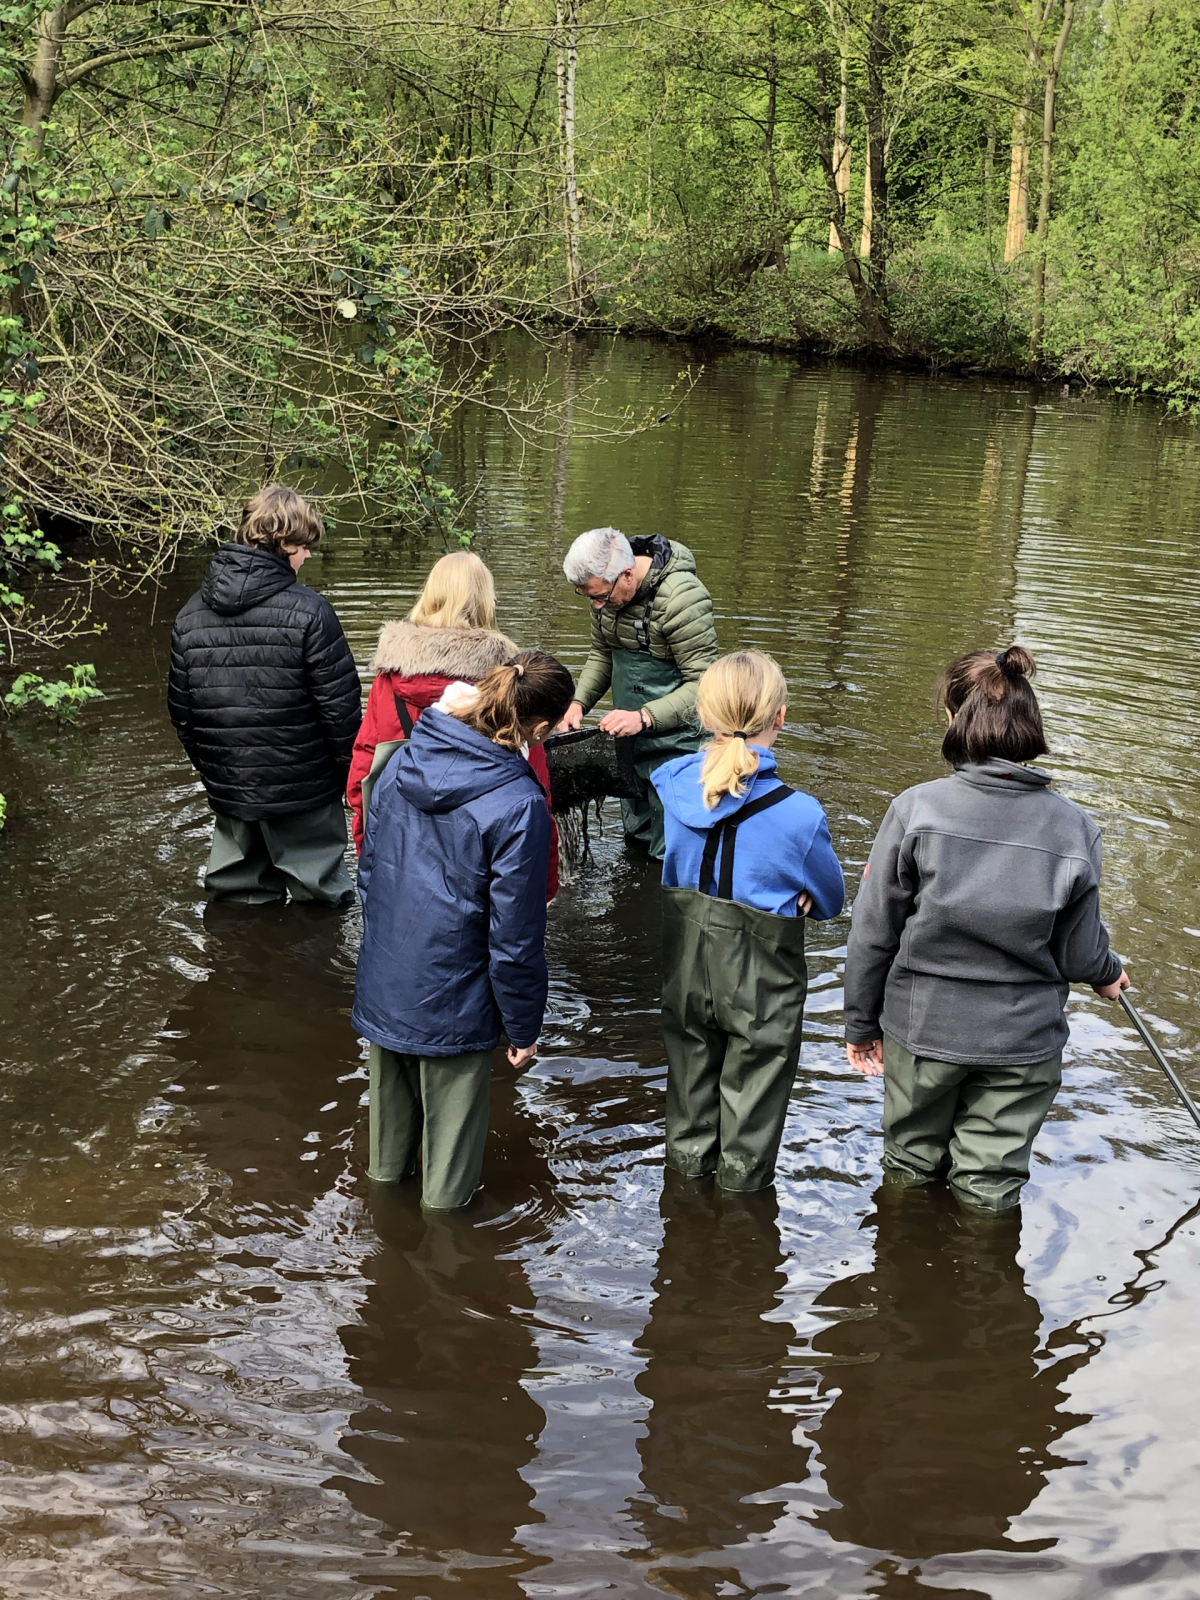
(979, 907)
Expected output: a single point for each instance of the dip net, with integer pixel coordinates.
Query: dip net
(586, 768)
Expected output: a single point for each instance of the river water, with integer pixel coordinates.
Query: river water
(230, 1369)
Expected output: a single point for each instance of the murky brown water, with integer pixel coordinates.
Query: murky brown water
(230, 1370)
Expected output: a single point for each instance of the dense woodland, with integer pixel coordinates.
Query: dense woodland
(240, 242)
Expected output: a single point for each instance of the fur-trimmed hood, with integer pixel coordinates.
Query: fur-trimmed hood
(413, 650)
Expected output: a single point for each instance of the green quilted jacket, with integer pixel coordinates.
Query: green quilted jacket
(681, 630)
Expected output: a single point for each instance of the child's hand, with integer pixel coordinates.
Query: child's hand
(1110, 991)
(866, 1058)
(522, 1058)
(803, 903)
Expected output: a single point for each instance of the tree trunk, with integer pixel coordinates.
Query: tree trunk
(1043, 223)
(567, 31)
(870, 295)
(1018, 176)
(778, 249)
(841, 159)
(864, 245)
(41, 84)
(875, 242)
(1018, 186)
(989, 178)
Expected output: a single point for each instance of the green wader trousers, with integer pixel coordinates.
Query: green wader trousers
(637, 678)
(733, 1015)
(258, 863)
(435, 1105)
(973, 1125)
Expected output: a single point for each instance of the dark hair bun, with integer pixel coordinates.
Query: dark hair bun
(1016, 662)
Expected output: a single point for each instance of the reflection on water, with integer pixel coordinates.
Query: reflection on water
(231, 1370)
(441, 1357)
(714, 1446)
(942, 1420)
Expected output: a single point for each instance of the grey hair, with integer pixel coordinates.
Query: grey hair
(599, 553)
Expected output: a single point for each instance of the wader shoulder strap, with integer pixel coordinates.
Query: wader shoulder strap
(641, 628)
(724, 837)
(405, 715)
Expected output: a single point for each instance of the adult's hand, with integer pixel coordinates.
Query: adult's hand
(1110, 991)
(521, 1058)
(866, 1058)
(572, 720)
(622, 723)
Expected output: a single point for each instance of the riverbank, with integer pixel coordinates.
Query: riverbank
(954, 308)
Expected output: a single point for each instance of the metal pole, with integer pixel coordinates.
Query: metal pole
(1131, 1011)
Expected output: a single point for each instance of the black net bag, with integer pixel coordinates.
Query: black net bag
(585, 769)
(589, 765)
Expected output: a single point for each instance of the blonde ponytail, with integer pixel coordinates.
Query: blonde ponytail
(740, 697)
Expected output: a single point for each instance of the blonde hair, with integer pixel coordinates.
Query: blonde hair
(533, 687)
(740, 696)
(276, 518)
(458, 593)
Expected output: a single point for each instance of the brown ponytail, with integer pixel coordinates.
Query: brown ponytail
(993, 709)
(531, 688)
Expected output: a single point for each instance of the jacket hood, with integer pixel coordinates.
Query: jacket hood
(678, 785)
(415, 650)
(996, 773)
(669, 558)
(446, 764)
(240, 576)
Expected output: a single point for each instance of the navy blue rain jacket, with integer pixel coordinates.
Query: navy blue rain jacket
(453, 885)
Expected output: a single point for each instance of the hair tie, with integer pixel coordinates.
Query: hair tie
(1002, 660)
(518, 667)
(739, 735)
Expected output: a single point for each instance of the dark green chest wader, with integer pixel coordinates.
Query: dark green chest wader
(734, 982)
(637, 678)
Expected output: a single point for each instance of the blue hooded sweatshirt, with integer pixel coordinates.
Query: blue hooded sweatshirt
(780, 852)
(453, 885)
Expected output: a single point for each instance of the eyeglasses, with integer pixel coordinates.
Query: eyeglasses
(599, 600)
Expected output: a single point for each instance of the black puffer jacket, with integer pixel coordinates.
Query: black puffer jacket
(263, 689)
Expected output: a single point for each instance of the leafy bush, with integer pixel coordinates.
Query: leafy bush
(61, 698)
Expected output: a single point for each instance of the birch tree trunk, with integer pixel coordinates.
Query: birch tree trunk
(567, 38)
(1018, 186)
(1018, 175)
(869, 287)
(1043, 222)
(841, 159)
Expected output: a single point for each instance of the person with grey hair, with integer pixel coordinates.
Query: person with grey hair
(652, 641)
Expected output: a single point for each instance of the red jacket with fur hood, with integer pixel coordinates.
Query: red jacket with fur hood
(417, 662)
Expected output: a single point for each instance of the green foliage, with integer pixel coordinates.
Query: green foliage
(24, 551)
(62, 698)
(269, 248)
